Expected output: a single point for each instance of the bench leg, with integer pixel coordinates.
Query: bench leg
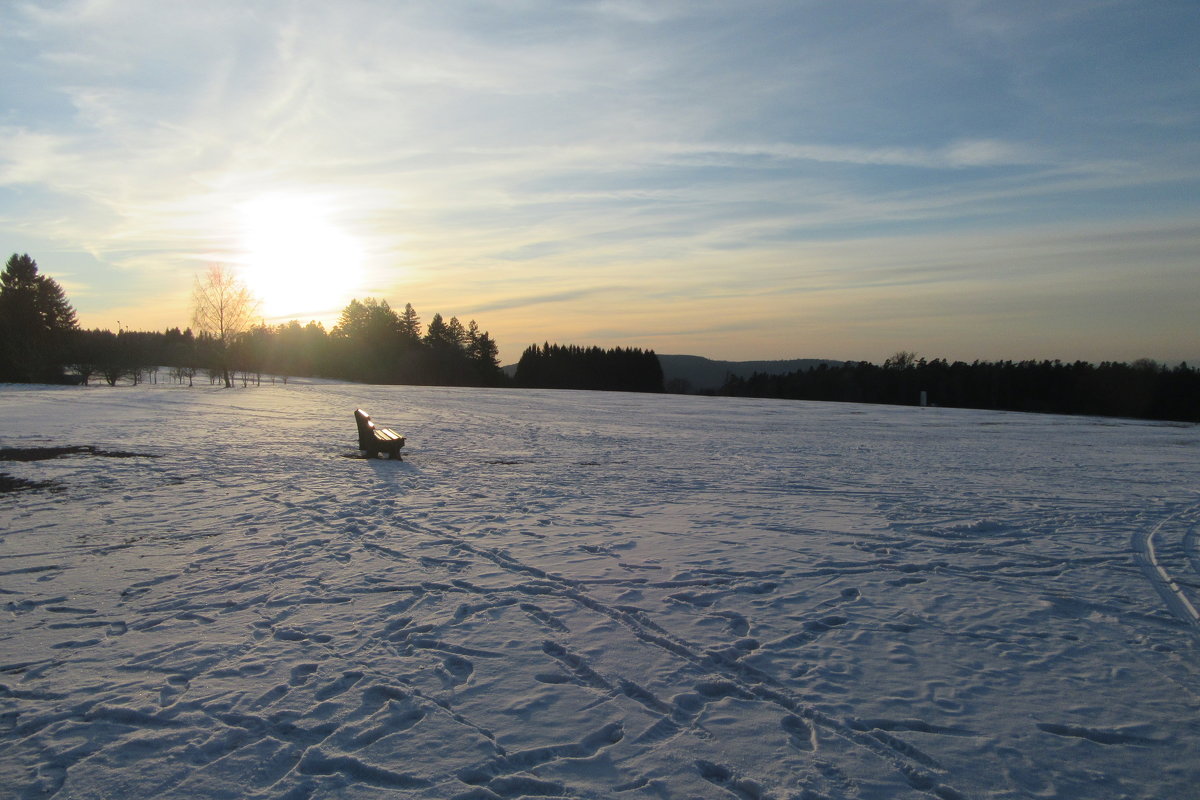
(390, 452)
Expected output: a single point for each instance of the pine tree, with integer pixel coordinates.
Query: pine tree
(484, 354)
(36, 323)
(353, 320)
(456, 334)
(410, 324)
(437, 334)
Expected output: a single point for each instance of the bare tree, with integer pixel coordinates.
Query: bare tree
(223, 307)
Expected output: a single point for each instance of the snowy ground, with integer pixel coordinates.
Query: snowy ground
(586, 595)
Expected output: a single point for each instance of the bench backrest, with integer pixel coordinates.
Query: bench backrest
(366, 428)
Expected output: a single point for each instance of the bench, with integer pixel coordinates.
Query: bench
(373, 439)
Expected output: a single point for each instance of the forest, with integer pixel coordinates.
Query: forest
(1143, 389)
(41, 341)
(555, 366)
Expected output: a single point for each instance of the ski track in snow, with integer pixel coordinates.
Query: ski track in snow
(1180, 549)
(585, 595)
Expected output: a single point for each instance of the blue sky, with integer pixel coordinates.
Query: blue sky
(739, 180)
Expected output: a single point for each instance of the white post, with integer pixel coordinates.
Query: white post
(924, 399)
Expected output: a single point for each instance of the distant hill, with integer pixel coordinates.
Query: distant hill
(704, 373)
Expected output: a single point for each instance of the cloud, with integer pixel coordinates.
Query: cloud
(527, 301)
(954, 155)
(505, 158)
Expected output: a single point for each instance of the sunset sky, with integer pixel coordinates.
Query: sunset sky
(746, 180)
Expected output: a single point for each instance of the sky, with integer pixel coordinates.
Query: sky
(751, 180)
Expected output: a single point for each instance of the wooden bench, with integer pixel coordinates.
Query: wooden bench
(373, 439)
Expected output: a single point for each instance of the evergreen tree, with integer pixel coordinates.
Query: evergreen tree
(410, 324)
(483, 352)
(36, 323)
(437, 335)
(352, 321)
(456, 334)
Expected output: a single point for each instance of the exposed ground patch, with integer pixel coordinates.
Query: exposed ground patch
(47, 453)
(9, 484)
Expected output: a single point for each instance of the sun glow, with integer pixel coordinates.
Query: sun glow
(295, 260)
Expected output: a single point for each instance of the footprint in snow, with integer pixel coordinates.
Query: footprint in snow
(738, 624)
(801, 735)
(339, 686)
(301, 673)
(455, 670)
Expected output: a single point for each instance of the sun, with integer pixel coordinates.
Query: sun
(295, 259)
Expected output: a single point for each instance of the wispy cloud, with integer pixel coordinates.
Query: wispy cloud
(528, 301)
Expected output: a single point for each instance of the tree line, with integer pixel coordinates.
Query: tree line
(40, 341)
(555, 366)
(373, 343)
(1143, 389)
(285, 351)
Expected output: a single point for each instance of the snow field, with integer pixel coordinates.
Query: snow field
(574, 594)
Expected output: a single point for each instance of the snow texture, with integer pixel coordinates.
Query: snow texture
(587, 595)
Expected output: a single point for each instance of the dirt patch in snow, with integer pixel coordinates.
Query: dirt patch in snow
(9, 484)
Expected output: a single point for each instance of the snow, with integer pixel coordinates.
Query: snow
(588, 595)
